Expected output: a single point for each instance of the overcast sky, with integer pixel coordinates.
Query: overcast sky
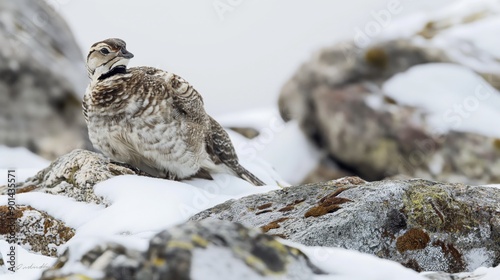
(236, 53)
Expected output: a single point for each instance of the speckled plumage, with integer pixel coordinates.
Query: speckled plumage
(153, 120)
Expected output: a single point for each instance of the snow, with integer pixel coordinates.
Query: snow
(455, 97)
(490, 273)
(480, 32)
(142, 206)
(74, 213)
(25, 163)
(211, 50)
(345, 264)
(29, 265)
(275, 144)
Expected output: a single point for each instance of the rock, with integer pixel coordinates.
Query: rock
(326, 170)
(36, 230)
(424, 225)
(42, 80)
(248, 132)
(195, 250)
(339, 100)
(454, 276)
(74, 175)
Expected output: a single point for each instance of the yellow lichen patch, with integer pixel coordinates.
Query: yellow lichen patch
(413, 239)
(77, 276)
(295, 251)
(180, 245)
(377, 57)
(200, 241)
(496, 143)
(433, 208)
(261, 266)
(429, 30)
(278, 246)
(158, 262)
(71, 176)
(390, 100)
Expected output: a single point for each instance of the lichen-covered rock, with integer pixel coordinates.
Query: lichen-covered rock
(35, 230)
(453, 276)
(42, 79)
(424, 225)
(195, 250)
(74, 175)
(339, 100)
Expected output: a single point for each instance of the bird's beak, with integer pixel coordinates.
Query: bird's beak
(126, 54)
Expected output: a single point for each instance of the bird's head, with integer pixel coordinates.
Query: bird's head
(106, 57)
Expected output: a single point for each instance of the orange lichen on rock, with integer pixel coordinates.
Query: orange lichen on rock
(413, 239)
(273, 225)
(327, 204)
(291, 206)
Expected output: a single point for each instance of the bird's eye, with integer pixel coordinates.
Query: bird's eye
(104, 51)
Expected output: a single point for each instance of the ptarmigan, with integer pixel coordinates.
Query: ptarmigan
(153, 120)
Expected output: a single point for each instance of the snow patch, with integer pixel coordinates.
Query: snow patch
(454, 97)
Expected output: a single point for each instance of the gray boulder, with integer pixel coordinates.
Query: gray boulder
(42, 80)
(73, 175)
(196, 250)
(339, 100)
(35, 231)
(424, 225)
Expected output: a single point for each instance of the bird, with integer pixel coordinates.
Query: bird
(153, 120)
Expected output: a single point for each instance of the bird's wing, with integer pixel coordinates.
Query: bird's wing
(219, 145)
(190, 103)
(186, 99)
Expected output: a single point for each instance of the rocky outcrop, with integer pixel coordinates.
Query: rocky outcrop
(340, 101)
(74, 175)
(42, 79)
(196, 250)
(35, 230)
(424, 225)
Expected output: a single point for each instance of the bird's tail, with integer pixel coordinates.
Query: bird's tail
(248, 176)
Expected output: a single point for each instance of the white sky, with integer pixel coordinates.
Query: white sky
(238, 62)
